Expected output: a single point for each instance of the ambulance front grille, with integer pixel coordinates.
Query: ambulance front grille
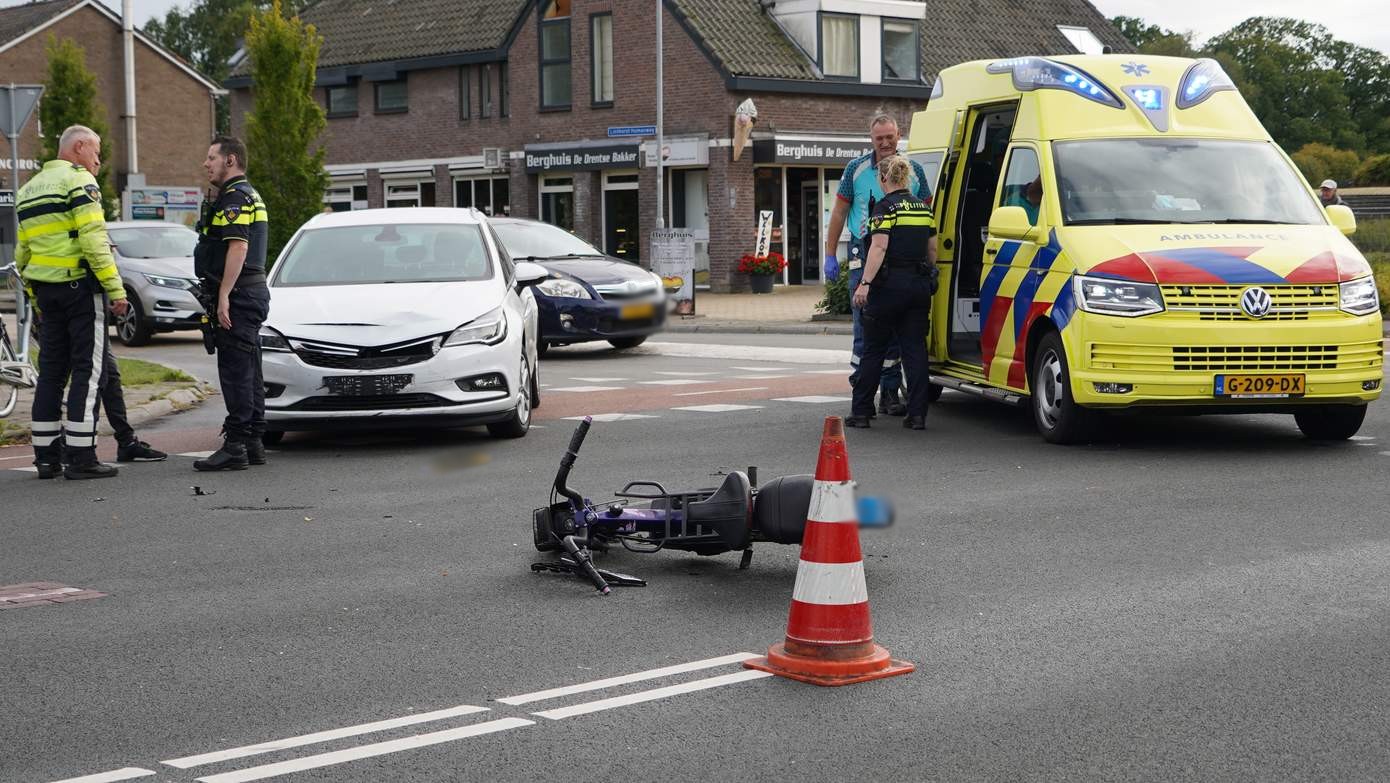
(1222, 302)
(1234, 358)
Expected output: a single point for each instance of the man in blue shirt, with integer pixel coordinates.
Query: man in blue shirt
(859, 191)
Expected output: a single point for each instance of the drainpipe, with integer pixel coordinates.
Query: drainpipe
(128, 36)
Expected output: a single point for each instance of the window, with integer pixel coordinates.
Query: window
(557, 201)
(931, 165)
(1082, 39)
(555, 55)
(342, 101)
(900, 58)
(490, 195)
(485, 90)
(620, 216)
(410, 194)
(345, 198)
(839, 45)
(391, 97)
(601, 42)
(465, 97)
(1023, 183)
(502, 109)
(385, 254)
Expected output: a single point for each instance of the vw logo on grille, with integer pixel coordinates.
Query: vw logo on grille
(1255, 302)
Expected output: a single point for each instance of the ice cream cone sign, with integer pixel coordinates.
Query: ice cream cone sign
(744, 116)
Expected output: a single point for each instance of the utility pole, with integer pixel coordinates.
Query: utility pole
(660, 126)
(128, 41)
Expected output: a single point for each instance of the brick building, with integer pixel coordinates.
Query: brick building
(174, 103)
(510, 105)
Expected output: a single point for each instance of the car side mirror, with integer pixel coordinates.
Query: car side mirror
(1011, 223)
(529, 273)
(1343, 218)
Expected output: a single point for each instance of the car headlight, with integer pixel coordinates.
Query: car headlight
(1359, 297)
(562, 288)
(169, 282)
(487, 329)
(271, 340)
(1117, 297)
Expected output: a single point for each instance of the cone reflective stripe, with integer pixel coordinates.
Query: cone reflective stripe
(830, 638)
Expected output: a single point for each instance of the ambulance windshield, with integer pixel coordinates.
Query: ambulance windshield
(1163, 181)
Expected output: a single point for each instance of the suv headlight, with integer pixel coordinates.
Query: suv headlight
(563, 289)
(169, 282)
(1359, 297)
(1117, 297)
(487, 329)
(271, 340)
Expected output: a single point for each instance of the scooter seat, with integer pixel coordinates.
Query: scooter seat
(729, 511)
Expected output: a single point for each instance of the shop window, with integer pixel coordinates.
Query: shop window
(601, 43)
(342, 101)
(901, 61)
(391, 97)
(465, 97)
(345, 198)
(555, 55)
(839, 45)
(620, 217)
(557, 201)
(490, 195)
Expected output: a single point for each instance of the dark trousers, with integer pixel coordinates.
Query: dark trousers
(897, 314)
(892, 375)
(72, 353)
(239, 364)
(113, 397)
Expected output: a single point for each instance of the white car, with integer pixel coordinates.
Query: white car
(400, 317)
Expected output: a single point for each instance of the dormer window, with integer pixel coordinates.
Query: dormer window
(1082, 39)
(901, 61)
(839, 45)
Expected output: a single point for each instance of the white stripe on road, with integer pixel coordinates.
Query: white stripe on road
(815, 399)
(743, 353)
(196, 454)
(29, 469)
(833, 501)
(720, 391)
(597, 380)
(674, 382)
(110, 777)
(761, 369)
(587, 707)
(650, 674)
(320, 736)
(585, 388)
(760, 377)
(610, 417)
(721, 408)
(366, 751)
(823, 372)
(830, 584)
(682, 374)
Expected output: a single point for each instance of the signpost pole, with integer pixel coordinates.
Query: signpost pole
(21, 302)
(660, 125)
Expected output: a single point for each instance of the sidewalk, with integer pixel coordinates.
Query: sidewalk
(787, 310)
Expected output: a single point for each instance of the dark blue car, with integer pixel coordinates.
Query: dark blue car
(589, 296)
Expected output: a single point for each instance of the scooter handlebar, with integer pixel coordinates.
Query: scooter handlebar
(577, 440)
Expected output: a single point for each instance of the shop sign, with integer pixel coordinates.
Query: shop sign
(680, 151)
(673, 257)
(581, 158)
(809, 153)
(6, 198)
(172, 205)
(764, 244)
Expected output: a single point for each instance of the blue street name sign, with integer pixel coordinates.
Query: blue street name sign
(631, 130)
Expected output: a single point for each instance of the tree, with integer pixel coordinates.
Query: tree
(1152, 39)
(283, 127)
(1319, 162)
(70, 98)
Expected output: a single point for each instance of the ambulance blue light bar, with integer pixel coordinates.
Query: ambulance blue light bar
(1038, 73)
(1203, 79)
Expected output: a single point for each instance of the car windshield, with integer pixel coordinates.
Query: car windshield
(165, 241)
(525, 240)
(1123, 181)
(403, 253)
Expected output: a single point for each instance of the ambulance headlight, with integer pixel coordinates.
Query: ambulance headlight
(1117, 297)
(1359, 297)
(1203, 79)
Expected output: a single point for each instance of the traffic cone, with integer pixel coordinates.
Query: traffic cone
(830, 639)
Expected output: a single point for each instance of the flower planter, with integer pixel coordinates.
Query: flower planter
(762, 284)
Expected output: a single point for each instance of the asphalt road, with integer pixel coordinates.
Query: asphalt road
(1188, 599)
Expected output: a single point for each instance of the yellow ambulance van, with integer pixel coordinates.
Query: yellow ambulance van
(1120, 232)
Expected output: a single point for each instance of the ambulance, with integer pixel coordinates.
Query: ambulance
(1119, 233)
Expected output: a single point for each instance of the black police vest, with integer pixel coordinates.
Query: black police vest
(210, 254)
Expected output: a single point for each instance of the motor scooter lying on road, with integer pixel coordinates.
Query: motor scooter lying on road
(731, 517)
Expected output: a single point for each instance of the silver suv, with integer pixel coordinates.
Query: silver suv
(156, 264)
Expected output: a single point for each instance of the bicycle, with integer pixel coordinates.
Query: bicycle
(16, 368)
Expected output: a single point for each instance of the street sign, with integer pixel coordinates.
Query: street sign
(17, 102)
(673, 257)
(620, 131)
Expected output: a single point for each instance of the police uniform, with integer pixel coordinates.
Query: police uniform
(238, 214)
(65, 260)
(899, 303)
(859, 187)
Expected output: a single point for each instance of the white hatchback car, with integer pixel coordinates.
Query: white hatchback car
(400, 317)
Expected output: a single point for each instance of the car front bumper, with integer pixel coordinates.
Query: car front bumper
(580, 320)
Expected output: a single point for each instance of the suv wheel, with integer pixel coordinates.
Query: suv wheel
(134, 327)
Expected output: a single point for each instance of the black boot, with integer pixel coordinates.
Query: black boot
(857, 421)
(232, 456)
(889, 403)
(48, 470)
(255, 451)
(89, 470)
(915, 423)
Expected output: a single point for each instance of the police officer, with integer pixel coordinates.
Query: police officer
(230, 264)
(64, 258)
(895, 293)
(859, 189)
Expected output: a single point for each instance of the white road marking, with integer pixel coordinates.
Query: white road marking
(196, 454)
(823, 372)
(21, 456)
(760, 377)
(587, 707)
(720, 391)
(585, 388)
(681, 374)
(597, 380)
(814, 399)
(110, 777)
(366, 751)
(650, 674)
(320, 736)
(1363, 437)
(674, 382)
(721, 408)
(1385, 453)
(746, 353)
(26, 469)
(761, 369)
(611, 417)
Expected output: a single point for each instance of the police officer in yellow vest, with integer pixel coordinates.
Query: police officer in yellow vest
(64, 258)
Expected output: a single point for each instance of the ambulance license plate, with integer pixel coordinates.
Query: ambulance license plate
(634, 312)
(1260, 386)
(366, 385)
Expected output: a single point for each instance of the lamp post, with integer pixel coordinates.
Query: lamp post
(660, 126)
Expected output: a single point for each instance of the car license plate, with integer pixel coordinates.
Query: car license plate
(366, 385)
(1260, 386)
(634, 312)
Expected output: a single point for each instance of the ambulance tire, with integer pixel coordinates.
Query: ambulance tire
(1330, 422)
(1058, 418)
(934, 392)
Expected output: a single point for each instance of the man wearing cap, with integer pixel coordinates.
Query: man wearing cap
(1327, 191)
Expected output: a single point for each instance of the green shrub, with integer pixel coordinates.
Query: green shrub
(1372, 236)
(836, 301)
(1374, 172)
(1380, 266)
(1319, 162)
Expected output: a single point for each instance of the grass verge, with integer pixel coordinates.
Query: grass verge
(135, 372)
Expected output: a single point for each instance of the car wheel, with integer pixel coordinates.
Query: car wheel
(134, 327)
(1330, 422)
(541, 347)
(272, 437)
(622, 343)
(536, 389)
(1059, 418)
(516, 425)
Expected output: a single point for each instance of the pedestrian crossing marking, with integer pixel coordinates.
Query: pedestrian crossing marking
(584, 389)
(674, 382)
(719, 408)
(606, 417)
(814, 399)
(597, 380)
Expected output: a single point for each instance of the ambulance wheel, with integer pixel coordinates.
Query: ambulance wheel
(934, 392)
(1330, 422)
(1059, 418)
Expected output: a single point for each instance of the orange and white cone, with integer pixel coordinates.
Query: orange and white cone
(830, 638)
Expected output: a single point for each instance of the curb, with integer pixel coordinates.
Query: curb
(759, 327)
(175, 402)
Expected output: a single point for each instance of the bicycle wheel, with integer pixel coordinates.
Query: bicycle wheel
(9, 393)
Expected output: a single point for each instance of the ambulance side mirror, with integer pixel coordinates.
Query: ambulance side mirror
(1343, 218)
(1011, 223)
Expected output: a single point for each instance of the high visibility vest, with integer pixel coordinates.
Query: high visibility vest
(62, 229)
